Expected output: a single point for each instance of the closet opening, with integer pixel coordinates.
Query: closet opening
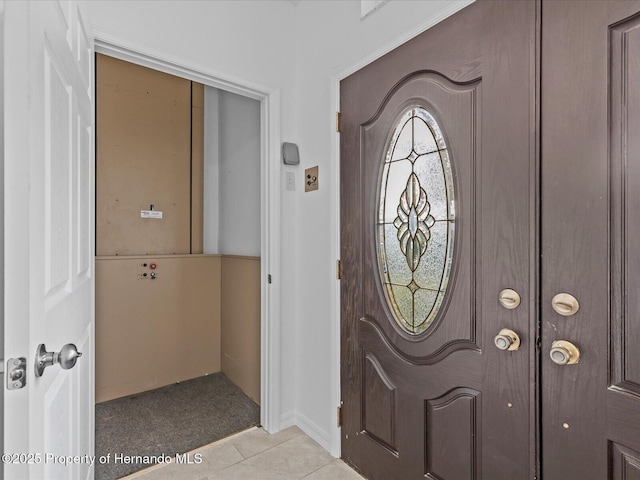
(178, 267)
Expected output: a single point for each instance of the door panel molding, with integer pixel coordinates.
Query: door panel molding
(431, 90)
(625, 463)
(624, 74)
(428, 76)
(379, 412)
(455, 412)
(624, 423)
(58, 151)
(443, 352)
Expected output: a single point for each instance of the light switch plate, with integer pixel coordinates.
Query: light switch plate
(311, 179)
(290, 181)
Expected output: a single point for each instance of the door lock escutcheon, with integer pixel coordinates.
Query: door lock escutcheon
(564, 353)
(509, 298)
(565, 304)
(507, 340)
(16, 373)
(67, 358)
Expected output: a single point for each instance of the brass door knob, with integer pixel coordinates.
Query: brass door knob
(507, 340)
(564, 353)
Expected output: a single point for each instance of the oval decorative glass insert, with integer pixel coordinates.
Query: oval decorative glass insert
(416, 219)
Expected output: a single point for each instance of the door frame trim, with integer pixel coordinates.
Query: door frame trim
(334, 194)
(116, 46)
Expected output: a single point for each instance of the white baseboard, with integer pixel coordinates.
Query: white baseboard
(313, 431)
(288, 419)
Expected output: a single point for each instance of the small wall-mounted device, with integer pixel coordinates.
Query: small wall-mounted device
(311, 179)
(147, 270)
(290, 155)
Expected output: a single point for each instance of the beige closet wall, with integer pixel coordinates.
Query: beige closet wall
(143, 158)
(240, 320)
(200, 315)
(151, 333)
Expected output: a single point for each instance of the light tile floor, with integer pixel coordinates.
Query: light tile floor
(256, 455)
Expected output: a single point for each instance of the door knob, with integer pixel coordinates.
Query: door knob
(507, 340)
(565, 304)
(67, 358)
(564, 353)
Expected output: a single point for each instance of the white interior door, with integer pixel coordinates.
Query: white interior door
(49, 236)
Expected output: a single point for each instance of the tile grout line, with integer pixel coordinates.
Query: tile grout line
(319, 468)
(222, 441)
(230, 440)
(257, 453)
(271, 447)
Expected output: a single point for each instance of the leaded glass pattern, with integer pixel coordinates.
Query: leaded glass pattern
(415, 220)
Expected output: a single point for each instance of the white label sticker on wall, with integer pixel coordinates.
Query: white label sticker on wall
(150, 214)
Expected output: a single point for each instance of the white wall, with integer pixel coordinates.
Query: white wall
(231, 173)
(299, 50)
(239, 173)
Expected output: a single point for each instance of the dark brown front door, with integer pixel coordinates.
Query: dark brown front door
(591, 238)
(425, 390)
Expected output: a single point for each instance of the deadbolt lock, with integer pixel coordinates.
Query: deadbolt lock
(564, 353)
(507, 340)
(509, 299)
(565, 304)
